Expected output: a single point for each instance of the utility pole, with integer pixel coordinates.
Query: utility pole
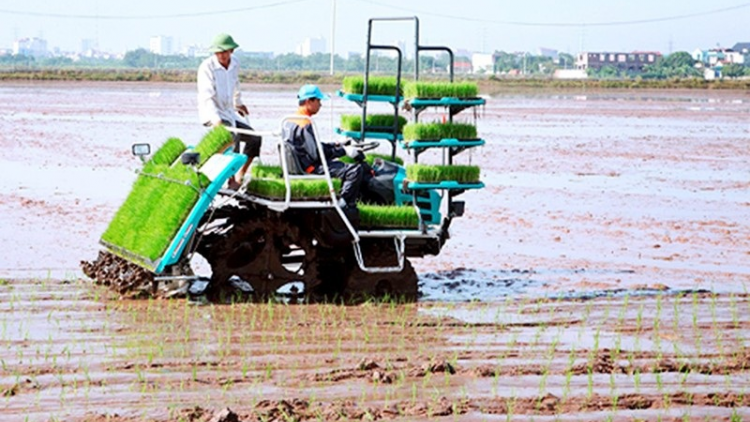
(333, 33)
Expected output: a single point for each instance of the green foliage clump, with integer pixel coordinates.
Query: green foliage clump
(437, 131)
(735, 70)
(433, 174)
(216, 140)
(430, 89)
(377, 85)
(373, 122)
(267, 181)
(370, 159)
(158, 204)
(392, 216)
(168, 152)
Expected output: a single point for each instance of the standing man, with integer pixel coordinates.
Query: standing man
(219, 99)
(299, 135)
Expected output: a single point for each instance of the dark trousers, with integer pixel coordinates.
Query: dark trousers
(252, 143)
(350, 174)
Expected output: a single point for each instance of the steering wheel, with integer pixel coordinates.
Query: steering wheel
(366, 146)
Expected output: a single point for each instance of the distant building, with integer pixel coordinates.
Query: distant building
(461, 52)
(392, 53)
(631, 62)
(266, 55)
(570, 74)
(89, 47)
(548, 52)
(161, 45)
(462, 66)
(710, 74)
(483, 63)
(742, 48)
(34, 47)
(311, 46)
(718, 56)
(194, 51)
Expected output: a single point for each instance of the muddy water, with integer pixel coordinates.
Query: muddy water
(71, 352)
(626, 211)
(586, 191)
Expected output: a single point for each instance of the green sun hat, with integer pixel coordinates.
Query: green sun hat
(223, 42)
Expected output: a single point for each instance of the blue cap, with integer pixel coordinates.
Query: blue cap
(311, 91)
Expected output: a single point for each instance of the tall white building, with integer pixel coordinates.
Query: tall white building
(89, 46)
(162, 45)
(483, 63)
(311, 46)
(35, 47)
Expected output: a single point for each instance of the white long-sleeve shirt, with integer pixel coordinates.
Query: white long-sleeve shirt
(218, 90)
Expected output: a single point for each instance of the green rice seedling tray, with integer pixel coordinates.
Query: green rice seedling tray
(168, 152)
(446, 102)
(442, 143)
(370, 159)
(435, 89)
(461, 174)
(387, 216)
(267, 182)
(158, 204)
(301, 190)
(437, 131)
(373, 123)
(216, 140)
(159, 216)
(359, 98)
(369, 135)
(376, 85)
(447, 185)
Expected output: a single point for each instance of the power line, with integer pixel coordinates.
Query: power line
(561, 24)
(141, 17)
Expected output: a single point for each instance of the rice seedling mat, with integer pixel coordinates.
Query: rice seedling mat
(387, 217)
(267, 182)
(379, 89)
(451, 177)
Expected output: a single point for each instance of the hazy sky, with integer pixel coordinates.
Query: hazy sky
(476, 25)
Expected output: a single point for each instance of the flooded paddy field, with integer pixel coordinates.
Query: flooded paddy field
(609, 253)
(71, 352)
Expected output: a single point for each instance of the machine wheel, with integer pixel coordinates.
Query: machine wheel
(266, 251)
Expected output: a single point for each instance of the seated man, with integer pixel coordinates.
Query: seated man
(299, 135)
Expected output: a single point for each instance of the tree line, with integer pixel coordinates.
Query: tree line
(676, 65)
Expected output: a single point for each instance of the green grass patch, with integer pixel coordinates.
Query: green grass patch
(433, 174)
(168, 152)
(437, 131)
(370, 158)
(373, 122)
(216, 140)
(377, 85)
(388, 216)
(425, 89)
(154, 210)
